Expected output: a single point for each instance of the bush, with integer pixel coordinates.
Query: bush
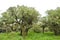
(36, 28)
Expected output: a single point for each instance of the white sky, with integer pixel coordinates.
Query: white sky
(40, 5)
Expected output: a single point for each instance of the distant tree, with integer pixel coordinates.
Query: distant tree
(54, 20)
(43, 23)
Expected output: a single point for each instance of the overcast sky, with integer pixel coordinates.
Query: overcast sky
(39, 5)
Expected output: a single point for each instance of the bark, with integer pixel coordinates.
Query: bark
(55, 32)
(43, 29)
(23, 31)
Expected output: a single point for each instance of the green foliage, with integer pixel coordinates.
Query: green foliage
(20, 16)
(43, 23)
(54, 20)
(36, 28)
(17, 13)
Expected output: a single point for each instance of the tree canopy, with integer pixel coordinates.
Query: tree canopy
(22, 15)
(54, 20)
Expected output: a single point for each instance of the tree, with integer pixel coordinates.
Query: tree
(43, 23)
(54, 20)
(24, 16)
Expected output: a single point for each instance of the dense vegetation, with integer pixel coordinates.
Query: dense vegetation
(28, 23)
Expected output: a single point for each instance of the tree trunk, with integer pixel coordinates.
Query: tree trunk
(26, 30)
(43, 29)
(23, 31)
(55, 32)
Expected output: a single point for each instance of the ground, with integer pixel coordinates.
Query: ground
(30, 36)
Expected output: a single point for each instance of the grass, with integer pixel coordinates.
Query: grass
(30, 36)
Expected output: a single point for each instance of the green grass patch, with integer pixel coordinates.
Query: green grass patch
(30, 36)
